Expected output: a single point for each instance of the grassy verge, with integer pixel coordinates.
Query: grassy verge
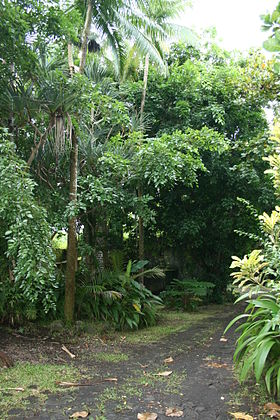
(170, 322)
(34, 380)
(251, 394)
(115, 357)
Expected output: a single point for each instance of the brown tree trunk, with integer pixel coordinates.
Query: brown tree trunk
(71, 264)
(86, 31)
(141, 235)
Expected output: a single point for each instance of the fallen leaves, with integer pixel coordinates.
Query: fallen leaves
(166, 373)
(173, 412)
(273, 414)
(272, 406)
(217, 365)
(241, 416)
(80, 415)
(64, 348)
(169, 360)
(147, 416)
(12, 389)
(70, 384)
(273, 410)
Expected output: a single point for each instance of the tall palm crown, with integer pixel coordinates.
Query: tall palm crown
(141, 21)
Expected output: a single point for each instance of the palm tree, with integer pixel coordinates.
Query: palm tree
(148, 26)
(117, 20)
(113, 20)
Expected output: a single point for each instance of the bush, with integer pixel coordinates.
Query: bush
(27, 274)
(117, 297)
(258, 346)
(256, 278)
(186, 294)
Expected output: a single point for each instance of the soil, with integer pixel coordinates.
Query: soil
(202, 384)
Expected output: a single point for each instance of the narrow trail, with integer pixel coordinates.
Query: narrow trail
(201, 384)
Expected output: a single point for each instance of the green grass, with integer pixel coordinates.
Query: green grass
(251, 394)
(169, 384)
(170, 322)
(35, 379)
(111, 357)
(134, 387)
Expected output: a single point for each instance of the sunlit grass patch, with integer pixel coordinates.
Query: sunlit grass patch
(111, 357)
(35, 380)
(170, 322)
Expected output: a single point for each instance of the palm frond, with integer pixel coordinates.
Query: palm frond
(142, 42)
(154, 272)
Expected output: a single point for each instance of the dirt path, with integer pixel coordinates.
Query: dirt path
(201, 384)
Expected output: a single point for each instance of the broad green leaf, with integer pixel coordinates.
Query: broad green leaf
(261, 356)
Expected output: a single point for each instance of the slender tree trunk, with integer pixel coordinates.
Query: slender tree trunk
(71, 264)
(145, 80)
(70, 58)
(141, 235)
(86, 31)
(43, 138)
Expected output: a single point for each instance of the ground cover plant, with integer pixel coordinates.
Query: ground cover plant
(27, 379)
(118, 298)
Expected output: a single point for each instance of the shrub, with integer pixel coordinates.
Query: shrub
(258, 346)
(27, 275)
(186, 294)
(256, 278)
(119, 298)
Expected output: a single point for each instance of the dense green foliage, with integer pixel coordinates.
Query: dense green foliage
(186, 294)
(140, 140)
(257, 281)
(27, 259)
(221, 91)
(117, 297)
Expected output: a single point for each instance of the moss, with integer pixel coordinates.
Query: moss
(35, 379)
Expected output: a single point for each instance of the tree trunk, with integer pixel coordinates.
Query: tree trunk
(70, 58)
(145, 80)
(86, 31)
(71, 264)
(141, 237)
